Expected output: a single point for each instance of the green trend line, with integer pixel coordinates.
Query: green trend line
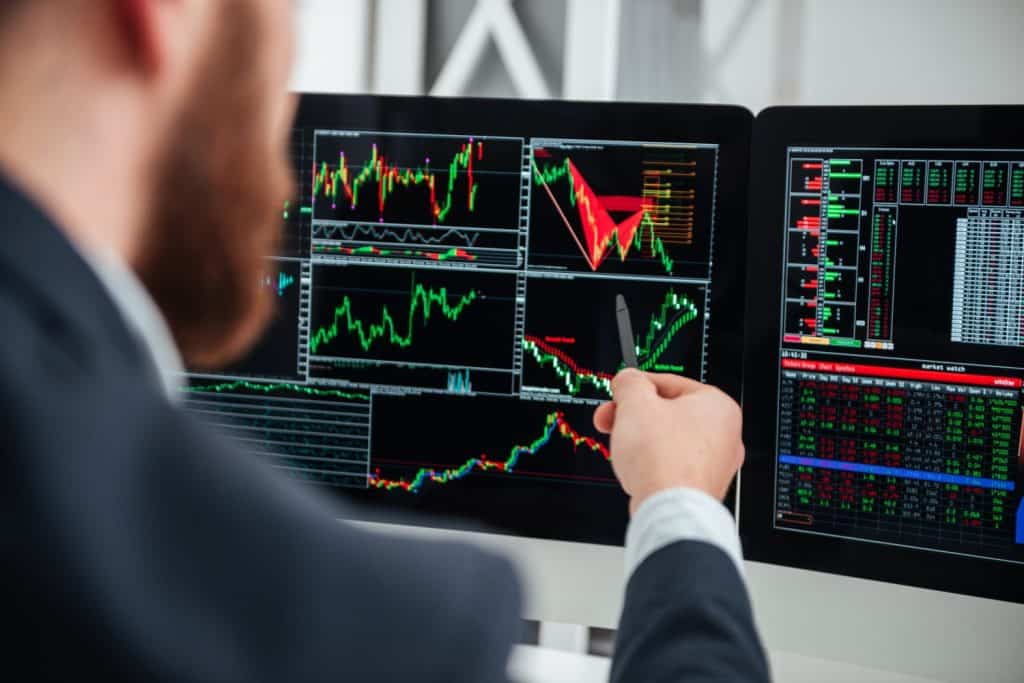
(676, 312)
(420, 297)
(552, 174)
(228, 387)
(655, 244)
(660, 332)
(646, 231)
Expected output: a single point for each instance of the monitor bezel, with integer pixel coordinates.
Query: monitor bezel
(730, 127)
(775, 130)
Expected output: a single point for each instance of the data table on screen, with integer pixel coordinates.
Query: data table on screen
(888, 432)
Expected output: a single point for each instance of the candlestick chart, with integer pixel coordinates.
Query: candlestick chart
(372, 316)
(621, 208)
(556, 425)
(574, 350)
(423, 180)
(408, 198)
(483, 457)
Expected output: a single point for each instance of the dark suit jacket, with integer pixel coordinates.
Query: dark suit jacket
(140, 546)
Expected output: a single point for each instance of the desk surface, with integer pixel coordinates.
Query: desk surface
(539, 665)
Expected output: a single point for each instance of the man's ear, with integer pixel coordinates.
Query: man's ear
(140, 25)
(159, 32)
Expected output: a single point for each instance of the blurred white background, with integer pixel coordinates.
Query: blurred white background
(751, 52)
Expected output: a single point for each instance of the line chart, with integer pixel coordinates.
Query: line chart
(382, 242)
(529, 467)
(400, 235)
(423, 302)
(555, 425)
(453, 254)
(406, 317)
(282, 388)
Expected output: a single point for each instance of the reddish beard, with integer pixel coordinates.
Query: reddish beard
(216, 205)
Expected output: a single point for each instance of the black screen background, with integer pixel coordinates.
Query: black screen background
(448, 429)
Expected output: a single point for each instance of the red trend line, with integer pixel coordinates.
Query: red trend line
(562, 356)
(601, 231)
(598, 226)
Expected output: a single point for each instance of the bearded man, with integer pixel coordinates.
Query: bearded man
(142, 168)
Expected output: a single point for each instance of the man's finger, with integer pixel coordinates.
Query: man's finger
(604, 418)
(632, 385)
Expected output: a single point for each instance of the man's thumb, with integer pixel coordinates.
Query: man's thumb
(631, 386)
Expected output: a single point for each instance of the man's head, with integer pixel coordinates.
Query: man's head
(182, 107)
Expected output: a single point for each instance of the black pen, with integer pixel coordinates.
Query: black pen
(625, 332)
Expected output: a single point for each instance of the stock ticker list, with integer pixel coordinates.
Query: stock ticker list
(899, 413)
(902, 456)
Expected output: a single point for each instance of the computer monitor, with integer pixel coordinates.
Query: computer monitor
(883, 374)
(446, 323)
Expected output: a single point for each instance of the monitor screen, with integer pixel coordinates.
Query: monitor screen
(898, 352)
(446, 298)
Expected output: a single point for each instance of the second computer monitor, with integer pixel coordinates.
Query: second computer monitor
(886, 346)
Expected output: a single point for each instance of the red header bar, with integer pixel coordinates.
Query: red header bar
(901, 373)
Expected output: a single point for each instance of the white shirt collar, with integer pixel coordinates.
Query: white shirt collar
(142, 316)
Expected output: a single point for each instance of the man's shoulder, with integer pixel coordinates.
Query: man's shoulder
(43, 342)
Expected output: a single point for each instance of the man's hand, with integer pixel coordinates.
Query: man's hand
(669, 432)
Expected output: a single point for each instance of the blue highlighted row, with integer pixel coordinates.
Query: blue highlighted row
(941, 477)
